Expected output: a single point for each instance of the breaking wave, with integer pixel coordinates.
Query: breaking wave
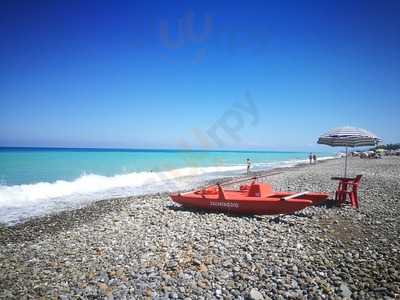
(20, 202)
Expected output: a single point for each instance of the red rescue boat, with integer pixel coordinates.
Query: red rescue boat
(251, 199)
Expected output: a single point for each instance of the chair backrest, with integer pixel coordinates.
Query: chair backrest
(357, 179)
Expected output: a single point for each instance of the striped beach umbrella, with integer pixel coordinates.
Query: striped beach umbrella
(348, 137)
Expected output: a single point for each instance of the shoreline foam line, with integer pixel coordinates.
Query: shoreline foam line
(24, 201)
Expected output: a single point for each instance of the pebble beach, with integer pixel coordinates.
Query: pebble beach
(148, 248)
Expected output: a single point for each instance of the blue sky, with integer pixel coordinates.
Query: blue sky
(171, 74)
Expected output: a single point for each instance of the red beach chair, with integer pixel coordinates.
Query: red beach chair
(342, 190)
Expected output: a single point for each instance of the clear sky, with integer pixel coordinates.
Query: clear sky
(223, 74)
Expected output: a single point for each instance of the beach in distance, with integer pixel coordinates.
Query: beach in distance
(147, 247)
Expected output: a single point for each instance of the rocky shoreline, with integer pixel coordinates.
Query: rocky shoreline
(146, 247)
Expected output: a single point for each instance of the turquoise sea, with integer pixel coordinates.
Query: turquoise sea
(36, 181)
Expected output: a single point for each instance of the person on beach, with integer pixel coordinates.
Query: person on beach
(248, 161)
(310, 157)
(314, 158)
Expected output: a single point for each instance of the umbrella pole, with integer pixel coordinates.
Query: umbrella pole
(345, 165)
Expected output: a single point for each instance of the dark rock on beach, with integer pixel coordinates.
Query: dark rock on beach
(147, 247)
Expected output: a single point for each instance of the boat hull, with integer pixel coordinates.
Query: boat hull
(236, 202)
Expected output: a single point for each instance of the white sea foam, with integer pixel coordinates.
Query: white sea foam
(19, 202)
(286, 163)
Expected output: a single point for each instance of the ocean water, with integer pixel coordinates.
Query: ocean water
(38, 181)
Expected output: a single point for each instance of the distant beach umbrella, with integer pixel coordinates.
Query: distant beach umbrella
(348, 137)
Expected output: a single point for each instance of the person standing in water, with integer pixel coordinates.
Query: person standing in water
(314, 158)
(310, 157)
(248, 161)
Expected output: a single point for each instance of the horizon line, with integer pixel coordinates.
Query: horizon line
(150, 149)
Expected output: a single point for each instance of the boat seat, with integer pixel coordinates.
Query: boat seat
(208, 191)
(294, 196)
(260, 190)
